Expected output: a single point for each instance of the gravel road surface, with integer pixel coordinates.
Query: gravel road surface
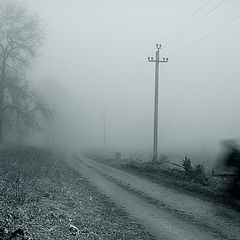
(165, 212)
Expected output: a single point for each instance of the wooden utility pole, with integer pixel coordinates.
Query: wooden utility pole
(157, 62)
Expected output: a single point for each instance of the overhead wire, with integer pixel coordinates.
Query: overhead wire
(196, 22)
(188, 18)
(206, 35)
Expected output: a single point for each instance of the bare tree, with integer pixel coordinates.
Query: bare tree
(20, 39)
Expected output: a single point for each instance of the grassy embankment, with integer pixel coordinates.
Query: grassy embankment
(42, 198)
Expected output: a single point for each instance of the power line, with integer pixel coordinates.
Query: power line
(207, 35)
(196, 22)
(188, 18)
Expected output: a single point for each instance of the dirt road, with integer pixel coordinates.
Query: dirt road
(166, 213)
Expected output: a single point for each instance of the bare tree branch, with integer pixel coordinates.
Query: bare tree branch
(20, 38)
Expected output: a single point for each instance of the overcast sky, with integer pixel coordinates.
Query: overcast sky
(95, 57)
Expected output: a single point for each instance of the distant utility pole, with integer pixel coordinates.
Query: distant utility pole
(104, 129)
(157, 62)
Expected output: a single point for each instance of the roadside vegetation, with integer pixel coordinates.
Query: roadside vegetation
(42, 198)
(183, 176)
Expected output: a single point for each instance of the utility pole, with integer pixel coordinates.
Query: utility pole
(104, 129)
(157, 62)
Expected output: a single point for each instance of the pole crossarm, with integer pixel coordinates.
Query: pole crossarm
(151, 59)
(161, 61)
(157, 62)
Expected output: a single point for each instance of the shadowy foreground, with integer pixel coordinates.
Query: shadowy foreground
(42, 198)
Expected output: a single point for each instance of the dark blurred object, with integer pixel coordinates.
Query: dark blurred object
(232, 160)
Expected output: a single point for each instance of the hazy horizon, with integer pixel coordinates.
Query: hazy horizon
(95, 58)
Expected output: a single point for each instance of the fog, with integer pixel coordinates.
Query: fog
(95, 58)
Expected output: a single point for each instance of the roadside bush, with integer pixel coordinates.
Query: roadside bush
(200, 174)
(187, 165)
(197, 173)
